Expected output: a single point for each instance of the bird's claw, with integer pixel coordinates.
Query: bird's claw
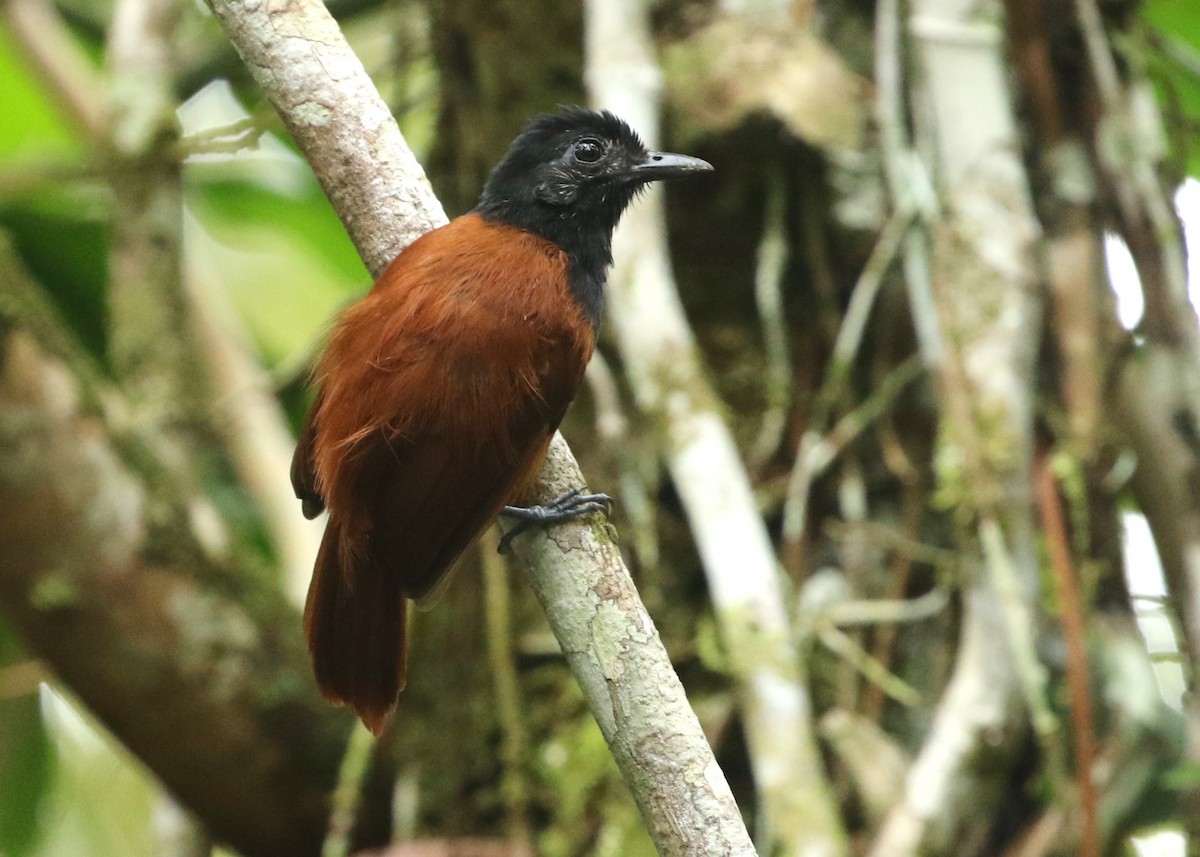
(562, 508)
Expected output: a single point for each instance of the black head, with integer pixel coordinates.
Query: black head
(568, 177)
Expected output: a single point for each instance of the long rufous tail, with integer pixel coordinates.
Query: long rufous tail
(355, 624)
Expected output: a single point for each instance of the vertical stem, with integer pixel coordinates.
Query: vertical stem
(770, 262)
(985, 358)
(799, 812)
(347, 796)
(1077, 663)
(513, 739)
(147, 317)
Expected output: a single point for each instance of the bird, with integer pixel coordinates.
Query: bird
(438, 392)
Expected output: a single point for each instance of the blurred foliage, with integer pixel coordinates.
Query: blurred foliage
(58, 228)
(41, 129)
(261, 238)
(66, 787)
(260, 235)
(1173, 57)
(103, 798)
(27, 760)
(282, 258)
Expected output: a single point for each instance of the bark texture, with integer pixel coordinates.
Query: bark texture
(667, 771)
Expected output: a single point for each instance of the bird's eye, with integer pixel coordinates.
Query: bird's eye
(588, 150)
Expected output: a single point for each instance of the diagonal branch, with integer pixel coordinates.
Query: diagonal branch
(670, 384)
(302, 62)
(203, 684)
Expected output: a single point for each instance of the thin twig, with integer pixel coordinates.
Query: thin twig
(889, 537)
(770, 264)
(1078, 673)
(223, 140)
(899, 572)
(905, 174)
(513, 738)
(849, 427)
(817, 451)
(887, 611)
(875, 672)
(1104, 66)
(347, 796)
(812, 456)
(862, 300)
(69, 73)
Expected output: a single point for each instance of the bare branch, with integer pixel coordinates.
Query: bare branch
(1078, 673)
(669, 382)
(770, 265)
(614, 650)
(297, 54)
(906, 176)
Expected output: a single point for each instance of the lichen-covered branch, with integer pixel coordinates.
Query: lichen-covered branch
(297, 54)
(614, 650)
(665, 370)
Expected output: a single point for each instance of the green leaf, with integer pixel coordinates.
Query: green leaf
(1175, 70)
(65, 249)
(227, 206)
(1182, 777)
(34, 126)
(1175, 18)
(281, 258)
(26, 759)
